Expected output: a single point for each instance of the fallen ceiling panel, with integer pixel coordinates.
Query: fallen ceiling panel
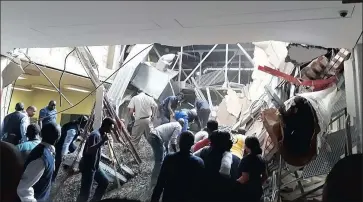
(125, 74)
(152, 81)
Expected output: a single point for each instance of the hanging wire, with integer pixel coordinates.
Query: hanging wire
(60, 79)
(101, 83)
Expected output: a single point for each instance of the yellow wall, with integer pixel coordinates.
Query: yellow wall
(20, 96)
(40, 99)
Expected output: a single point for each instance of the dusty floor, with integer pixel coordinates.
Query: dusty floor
(135, 188)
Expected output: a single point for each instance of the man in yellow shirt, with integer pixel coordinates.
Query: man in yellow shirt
(238, 143)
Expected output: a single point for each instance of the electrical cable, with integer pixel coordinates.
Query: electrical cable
(60, 79)
(358, 40)
(79, 102)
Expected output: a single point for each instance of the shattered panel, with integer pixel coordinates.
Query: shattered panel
(124, 75)
(271, 54)
(152, 81)
(233, 103)
(223, 117)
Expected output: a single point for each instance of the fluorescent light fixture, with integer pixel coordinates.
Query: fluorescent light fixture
(21, 78)
(46, 88)
(22, 88)
(77, 88)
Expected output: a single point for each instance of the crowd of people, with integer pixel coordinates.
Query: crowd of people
(185, 165)
(210, 165)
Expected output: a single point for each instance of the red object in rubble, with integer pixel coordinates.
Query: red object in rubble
(317, 85)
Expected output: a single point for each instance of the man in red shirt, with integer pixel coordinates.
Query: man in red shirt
(211, 126)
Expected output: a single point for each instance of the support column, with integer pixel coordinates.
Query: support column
(246, 54)
(110, 57)
(98, 107)
(200, 68)
(209, 98)
(226, 67)
(180, 65)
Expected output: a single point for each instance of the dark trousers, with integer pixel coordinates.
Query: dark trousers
(203, 117)
(58, 159)
(86, 185)
(159, 153)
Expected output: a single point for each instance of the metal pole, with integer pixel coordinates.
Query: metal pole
(200, 68)
(157, 52)
(209, 98)
(50, 81)
(180, 65)
(239, 68)
(246, 54)
(195, 69)
(211, 80)
(348, 135)
(226, 66)
(176, 61)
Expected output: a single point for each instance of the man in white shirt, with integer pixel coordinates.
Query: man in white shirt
(144, 109)
(35, 183)
(159, 139)
(31, 110)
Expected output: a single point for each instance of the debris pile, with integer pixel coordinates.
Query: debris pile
(134, 188)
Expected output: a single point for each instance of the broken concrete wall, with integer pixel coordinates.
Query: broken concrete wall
(231, 107)
(271, 54)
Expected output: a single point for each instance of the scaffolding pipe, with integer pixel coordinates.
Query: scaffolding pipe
(180, 65)
(50, 81)
(209, 98)
(200, 63)
(221, 69)
(200, 68)
(176, 61)
(246, 54)
(157, 52)
(239, 68)
(226, 66)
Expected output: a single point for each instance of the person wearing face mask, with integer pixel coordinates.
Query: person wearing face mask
(252, 170)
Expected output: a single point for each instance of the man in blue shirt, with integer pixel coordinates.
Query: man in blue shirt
(32, 133)
(203, 112)
(180, 177)
(48, 114)
(192, 116)
(69, 133)
(89, 165)
(168, 107)
(182, 115)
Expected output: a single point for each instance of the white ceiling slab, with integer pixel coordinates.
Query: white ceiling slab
(76, 23)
